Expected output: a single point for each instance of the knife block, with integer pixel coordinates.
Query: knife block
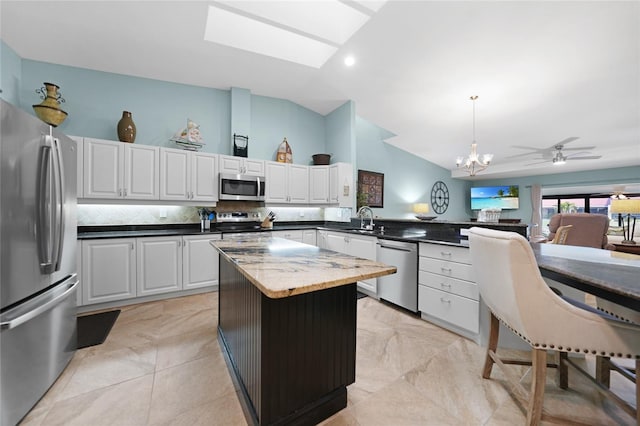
(266, 223)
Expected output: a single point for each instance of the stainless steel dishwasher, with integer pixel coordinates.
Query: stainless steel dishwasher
(400, 288)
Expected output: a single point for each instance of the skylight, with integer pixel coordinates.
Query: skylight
(304, 32)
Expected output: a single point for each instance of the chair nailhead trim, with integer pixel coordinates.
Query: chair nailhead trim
(560, 348)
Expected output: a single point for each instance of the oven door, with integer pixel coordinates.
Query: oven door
(241, 187)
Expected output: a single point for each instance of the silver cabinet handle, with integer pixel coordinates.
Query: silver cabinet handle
(125, 192)
(443, 285)
(445, 253)
(444, 300)
(446, 270)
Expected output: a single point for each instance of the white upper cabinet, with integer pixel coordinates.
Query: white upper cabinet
(286, 183)
(319, 185)
(188, 176)
(241, 165)
(117, 170)
(341, 189)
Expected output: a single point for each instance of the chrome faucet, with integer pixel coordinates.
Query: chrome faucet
(360, 214)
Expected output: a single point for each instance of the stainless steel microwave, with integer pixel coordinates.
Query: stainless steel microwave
(241, 187)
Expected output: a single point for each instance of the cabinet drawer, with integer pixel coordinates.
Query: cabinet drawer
(456, 310)
(443, 267)
(443, 252)
(450, 285)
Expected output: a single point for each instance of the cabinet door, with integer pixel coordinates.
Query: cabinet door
(295, 235)
(364, 247)
(276, 177)
(336, 242)
(321, 239)
(341, 184)
(103, 168)
(174, 174)
(204, 177)
(319, 185)
(253, 167)
(159, 265)
(79, 272)
(298, 177)
(200, 261)
(309, 236)
(141, 172)
(230, 164)
(80, 166)
(108, 270)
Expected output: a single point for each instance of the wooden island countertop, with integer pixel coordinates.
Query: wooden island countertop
(282, 268)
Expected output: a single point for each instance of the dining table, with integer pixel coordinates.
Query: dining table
(608, 274)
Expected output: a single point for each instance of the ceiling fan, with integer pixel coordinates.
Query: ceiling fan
(555, 152)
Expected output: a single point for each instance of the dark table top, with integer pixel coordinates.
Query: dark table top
(608, 274)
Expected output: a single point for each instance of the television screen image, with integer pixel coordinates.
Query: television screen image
(495, 197)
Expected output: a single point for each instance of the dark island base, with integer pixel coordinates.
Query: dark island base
(290, 358)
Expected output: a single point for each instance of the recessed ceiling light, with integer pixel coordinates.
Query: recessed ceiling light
(349, 61)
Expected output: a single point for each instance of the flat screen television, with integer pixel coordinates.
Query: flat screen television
(495, 197)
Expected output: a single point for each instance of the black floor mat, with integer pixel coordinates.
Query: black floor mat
(361, 295)
(93, 329)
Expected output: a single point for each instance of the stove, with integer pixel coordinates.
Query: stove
(238, 221)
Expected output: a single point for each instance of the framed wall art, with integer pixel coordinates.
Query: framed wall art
(370, 189)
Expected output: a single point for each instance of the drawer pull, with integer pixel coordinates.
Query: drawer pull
(443, 285)
(443, 300)
(445, 253)
(446, 270)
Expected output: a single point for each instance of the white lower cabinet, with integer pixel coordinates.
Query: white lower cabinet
(108, 270)
(124, 268)
(309, 237)
(200, 261)
(447, 294)
(354, 245)
(159, 265)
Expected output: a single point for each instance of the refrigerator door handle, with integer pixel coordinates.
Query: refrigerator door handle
(44, 213)
(43, 306)
(59, 202)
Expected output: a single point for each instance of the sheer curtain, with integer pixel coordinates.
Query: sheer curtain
(535, 227)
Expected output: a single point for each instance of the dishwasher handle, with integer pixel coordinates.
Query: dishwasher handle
(408, 250)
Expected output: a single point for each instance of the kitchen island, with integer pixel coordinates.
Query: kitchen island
(287, 326)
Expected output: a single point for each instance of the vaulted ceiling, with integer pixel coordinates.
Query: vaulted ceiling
(543, 71)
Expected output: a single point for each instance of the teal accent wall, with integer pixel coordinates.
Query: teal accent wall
(340, 127)
(95, 101)
(274, 119)
(10, 74)
(619, 175)
(407, 178)
(240, 112)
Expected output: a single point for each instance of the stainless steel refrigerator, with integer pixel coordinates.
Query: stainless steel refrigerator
(38, 259)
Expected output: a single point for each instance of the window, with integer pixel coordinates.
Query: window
(578, 203)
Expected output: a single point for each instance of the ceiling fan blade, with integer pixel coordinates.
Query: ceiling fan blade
(562, 143)
(590, 157)
(524, 154)
(576, 149)
(539, 162)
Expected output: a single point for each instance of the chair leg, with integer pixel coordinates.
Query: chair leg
(494, 332)
(536, 395)
(603, 372)
(563, 370)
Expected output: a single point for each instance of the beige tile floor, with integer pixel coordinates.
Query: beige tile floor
(162, 365)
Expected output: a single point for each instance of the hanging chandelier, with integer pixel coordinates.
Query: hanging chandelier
(474, 163)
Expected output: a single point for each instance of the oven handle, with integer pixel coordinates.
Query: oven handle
(258, 179)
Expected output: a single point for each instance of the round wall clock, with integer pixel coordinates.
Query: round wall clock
(439, 197)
